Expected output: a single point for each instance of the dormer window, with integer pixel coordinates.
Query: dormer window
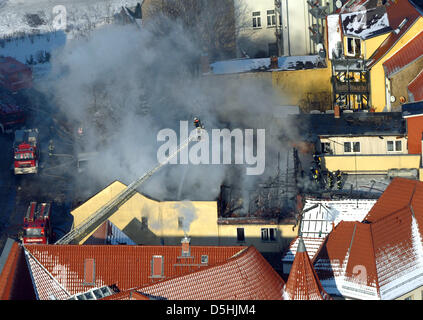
(353, 47)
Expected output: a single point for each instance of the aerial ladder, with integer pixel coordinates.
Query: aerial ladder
(102, 214)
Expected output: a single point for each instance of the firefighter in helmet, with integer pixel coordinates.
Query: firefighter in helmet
(317, 160)
(197, 123)
(338, 176)
(314, 173)
(330, 179)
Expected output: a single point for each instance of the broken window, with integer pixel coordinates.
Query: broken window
(326, 147)
(240, 234)
(353, 47)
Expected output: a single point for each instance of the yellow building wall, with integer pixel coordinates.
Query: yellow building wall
(371, 164)
(416, 294)
(305, 87)
(163, 222)
(377, 73)
(285, 234)
(370, 45)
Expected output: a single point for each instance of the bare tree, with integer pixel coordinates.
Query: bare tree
(212, 25)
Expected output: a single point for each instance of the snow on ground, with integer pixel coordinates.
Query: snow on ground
(27, 26)
(15, 15)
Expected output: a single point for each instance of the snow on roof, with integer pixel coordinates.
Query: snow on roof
(366, 23)
(320, 215)
(303, 282)
(334, 34)
(382, 257)
(262, 64)
(311, 244)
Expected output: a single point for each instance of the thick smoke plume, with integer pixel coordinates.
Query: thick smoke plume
(125, 84)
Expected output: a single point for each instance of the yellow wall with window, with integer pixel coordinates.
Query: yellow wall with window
(371, 164)
(377, 73)
(163, 222)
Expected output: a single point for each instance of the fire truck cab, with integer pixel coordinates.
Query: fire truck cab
(26, 151)
(12, 116)
(37, 227)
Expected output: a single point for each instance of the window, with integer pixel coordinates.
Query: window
(347, 146)
(326, 147)
(256, 19)
(271, 18)
(240, 234)
(268, 234)
(157, 266)
(394, 146)
(89, 271)
(356, 146)
(204, 259)
(144, 222)
(353, 47)
(351, 147)
(273, 49)
(180, 222)
(409, 298)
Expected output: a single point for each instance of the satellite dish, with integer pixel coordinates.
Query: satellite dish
(338, 4)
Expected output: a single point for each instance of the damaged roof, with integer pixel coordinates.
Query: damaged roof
(351, 124)
(366, 23)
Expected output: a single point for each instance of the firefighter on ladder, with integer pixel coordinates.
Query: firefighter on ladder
(315, 174)
(338, 176)
(199, 126)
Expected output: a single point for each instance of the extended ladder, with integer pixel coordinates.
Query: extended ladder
(102, 214)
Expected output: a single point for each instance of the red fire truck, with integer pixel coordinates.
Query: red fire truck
(26, 151)
(37, 227)
(12, 116)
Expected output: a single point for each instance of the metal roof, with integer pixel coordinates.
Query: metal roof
(412, 109)
(351, 124)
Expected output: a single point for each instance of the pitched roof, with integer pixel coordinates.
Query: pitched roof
(59, 270)
(303, 282)
(410, 52)
(381, 258)
(15, 283)
(246, 276)
(412, 109)
(397, 13)
(415, 88)
(312, 245)
(345, 263)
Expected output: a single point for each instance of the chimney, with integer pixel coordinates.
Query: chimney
(274, 62)
(205, 64)
(337, 111)
(186, 246)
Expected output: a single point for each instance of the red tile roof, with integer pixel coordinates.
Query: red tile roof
(247, 276)
(11, 65)
(412, 51)
(15, 283)
(303, 282)
(415, 87)
(397, 12)
(381, 258)
(59, 269)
